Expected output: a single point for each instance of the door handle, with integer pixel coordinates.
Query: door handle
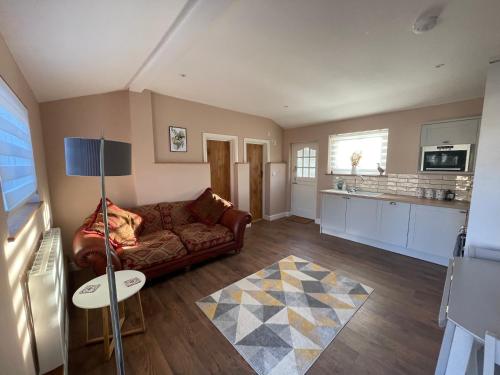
(393, 203)
(294, 183)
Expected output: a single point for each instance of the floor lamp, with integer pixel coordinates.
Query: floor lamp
(101, 157)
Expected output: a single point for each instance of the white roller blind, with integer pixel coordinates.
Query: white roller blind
(17, 170)
(372, 145)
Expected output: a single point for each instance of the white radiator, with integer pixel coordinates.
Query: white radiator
(47, 290)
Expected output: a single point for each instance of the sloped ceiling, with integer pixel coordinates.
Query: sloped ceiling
(296, 62)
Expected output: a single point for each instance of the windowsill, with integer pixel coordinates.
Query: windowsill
(18, 220)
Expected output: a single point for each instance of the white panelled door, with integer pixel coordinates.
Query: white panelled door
(304, 177)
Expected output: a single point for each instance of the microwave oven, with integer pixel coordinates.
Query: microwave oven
(446, 158)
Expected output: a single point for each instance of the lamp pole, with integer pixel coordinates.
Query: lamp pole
(113, 301)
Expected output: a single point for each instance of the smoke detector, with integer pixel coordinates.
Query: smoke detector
(427, 20)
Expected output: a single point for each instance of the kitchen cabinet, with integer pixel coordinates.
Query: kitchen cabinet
(454, 132)
(393, 222)
(417, 230)
(362, 217)
(433, 230)
(333, 212)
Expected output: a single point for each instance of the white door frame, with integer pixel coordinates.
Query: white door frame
(266, 158)
(293, 176)
(233, 152)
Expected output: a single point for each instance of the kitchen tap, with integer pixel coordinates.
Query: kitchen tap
(355, 188)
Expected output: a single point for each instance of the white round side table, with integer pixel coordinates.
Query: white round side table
(94, 294)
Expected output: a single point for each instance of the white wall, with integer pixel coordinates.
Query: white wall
(483, 237)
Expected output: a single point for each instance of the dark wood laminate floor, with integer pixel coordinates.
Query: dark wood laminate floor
(395, 331)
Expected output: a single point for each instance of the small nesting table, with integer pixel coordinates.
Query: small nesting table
(95, 294)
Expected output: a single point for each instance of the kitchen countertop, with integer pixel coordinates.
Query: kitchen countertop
(459, 205)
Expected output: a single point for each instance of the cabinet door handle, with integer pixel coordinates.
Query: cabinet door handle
(463, 212)
(445, 142)
(347, 197)
(394, 203)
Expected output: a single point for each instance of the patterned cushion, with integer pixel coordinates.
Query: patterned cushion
(153, 248)
(209, 207)
(174, 214)
(151, 218)
(123, 225)
(199, 236)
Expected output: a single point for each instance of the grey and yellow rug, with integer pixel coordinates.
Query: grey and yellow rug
(281, 318)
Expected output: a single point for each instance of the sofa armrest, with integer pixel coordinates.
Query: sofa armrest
(236, 221)
(89, 250)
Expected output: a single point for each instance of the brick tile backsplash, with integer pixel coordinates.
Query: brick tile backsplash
(407, 184)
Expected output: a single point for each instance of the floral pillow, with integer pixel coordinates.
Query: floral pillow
(123, 225)
(209, 207)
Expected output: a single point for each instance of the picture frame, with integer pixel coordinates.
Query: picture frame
(178, 139)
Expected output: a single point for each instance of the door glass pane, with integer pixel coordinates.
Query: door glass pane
(312, 152)
(299, 162)
(306, 162)
(312, 162)
(299, 172)
(312, 172)
(306, 151)
(300, 153)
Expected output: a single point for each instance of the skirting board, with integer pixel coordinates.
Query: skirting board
(387, 247)
(276, 216)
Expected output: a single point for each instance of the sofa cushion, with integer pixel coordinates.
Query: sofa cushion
(199, 236)
(175, 213)
(150, 214)
(209, 207)
(154, 248)
(123, 225)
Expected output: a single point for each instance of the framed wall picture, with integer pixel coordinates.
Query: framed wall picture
(178, 139)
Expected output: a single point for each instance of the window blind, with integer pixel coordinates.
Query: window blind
(17, 170)
(371, 144)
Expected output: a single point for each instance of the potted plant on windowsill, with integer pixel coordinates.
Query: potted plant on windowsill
(355, 159)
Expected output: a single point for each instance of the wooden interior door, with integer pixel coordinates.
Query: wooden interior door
(255, 159)
(219, 157)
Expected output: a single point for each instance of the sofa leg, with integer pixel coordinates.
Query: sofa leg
(187, 268)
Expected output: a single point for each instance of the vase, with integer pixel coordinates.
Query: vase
(354, 170)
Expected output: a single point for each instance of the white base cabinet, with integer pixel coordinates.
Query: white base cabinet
(393, 222)
(419, 231)
(333, 212)
(434, 230)
(362, 217)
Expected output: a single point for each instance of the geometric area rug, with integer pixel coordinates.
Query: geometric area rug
(281, 318)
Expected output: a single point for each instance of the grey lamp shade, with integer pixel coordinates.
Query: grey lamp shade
(83, 157)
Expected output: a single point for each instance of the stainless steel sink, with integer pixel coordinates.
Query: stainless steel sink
(366, 193)
(355, 193)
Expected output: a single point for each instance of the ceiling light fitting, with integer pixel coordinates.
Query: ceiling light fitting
(427, 20)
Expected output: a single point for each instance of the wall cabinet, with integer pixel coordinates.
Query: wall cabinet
(393, 222)
(434, 230)
(420, 231)
(362, 217)
(333, 212)
(454, 132)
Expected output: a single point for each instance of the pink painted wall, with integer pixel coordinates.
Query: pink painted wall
(88, 116)
(16, 356)
(142, 119)
(404, 136)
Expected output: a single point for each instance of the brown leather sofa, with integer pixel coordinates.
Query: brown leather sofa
(170, 239)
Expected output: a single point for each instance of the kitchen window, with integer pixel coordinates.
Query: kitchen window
(371, 144)
(17, 169)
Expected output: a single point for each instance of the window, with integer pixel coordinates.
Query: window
(371, 144)
(306, 163)
(17, 169)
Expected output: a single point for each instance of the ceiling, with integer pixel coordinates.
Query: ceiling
(296, 62)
